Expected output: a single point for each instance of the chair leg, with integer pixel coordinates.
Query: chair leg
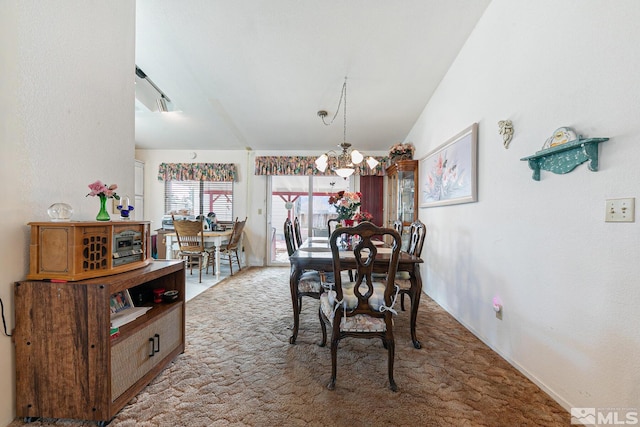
(230, 264)
(187, 260)
(200, 259)
(334, 359)
(323, 326)
(391, 351)
(402, 301)
(238, 258)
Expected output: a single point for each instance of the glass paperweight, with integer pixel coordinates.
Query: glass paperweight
(60, 212)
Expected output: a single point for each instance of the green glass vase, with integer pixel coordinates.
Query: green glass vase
(103, 215)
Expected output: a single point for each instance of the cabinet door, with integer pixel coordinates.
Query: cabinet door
(139, 179)
(133, 357)
(138, 211)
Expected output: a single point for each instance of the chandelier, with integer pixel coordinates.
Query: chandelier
(344, 162)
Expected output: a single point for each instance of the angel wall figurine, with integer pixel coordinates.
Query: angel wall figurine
(506, 130)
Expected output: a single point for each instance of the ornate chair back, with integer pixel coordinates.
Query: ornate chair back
(398, 226)
(332, 224)
(289, 236)
(297, 231)
(417, 233)
(362, 308)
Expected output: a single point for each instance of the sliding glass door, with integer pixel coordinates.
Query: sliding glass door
(305, 197)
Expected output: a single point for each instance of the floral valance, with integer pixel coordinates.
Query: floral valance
(305, 165)
(197, 172)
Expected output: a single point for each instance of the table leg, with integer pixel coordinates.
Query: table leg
(416, 292)
(217, 256)
(293, 285)
(168, 243)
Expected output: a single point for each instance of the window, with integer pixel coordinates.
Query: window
(199, 198)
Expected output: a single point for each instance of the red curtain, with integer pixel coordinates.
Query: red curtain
(372, 189)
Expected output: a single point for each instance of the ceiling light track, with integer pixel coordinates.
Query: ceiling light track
(142, 75)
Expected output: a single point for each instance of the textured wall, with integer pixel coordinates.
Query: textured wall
(567, 279)
(66, 115)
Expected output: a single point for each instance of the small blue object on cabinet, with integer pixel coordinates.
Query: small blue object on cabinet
(125, 207)
(563, 152)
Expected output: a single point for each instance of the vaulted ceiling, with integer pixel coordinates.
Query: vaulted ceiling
(252, 74)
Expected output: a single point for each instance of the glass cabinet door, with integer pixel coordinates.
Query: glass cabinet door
(402, 196)
(406, 199)
(402, 187)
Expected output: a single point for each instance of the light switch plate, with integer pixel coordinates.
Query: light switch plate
(620, 210)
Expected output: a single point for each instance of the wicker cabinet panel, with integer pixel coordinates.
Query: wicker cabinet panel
(133, 357)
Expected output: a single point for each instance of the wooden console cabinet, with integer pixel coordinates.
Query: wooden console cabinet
(68, 365)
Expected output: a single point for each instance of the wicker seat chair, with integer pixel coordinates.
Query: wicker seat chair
(191, 244)
(229, 249)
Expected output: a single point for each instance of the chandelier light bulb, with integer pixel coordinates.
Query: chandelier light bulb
(356, 157)
(322, 162)
(372, 162)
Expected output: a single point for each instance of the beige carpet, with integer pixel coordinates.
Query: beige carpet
(239, 369)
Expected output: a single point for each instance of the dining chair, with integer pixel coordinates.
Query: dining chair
(398, 226)
(297, 231)
(362, 308)
(191, 244)
(332, 224)
(230, 248)
(309, 284)
(417, 234)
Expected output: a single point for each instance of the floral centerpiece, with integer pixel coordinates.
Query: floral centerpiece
(346, 204)
(401, 151)
(104, 192)
(362, 216)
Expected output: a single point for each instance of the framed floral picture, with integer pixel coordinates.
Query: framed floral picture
(449, 174)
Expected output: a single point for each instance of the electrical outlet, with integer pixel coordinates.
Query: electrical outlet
(620, 210)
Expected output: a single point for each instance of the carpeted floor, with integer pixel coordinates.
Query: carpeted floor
(239, 369)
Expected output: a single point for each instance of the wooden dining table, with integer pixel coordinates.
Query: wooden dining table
(315, 254)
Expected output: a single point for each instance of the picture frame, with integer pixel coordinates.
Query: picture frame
(120, 301)
(448, 175)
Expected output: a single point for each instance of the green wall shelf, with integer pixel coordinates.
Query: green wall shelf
(566, 157)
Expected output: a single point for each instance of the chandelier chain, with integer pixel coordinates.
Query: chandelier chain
(344, 91)
(343, 94)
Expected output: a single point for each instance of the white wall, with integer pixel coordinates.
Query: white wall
(568, 280)
(66, 119)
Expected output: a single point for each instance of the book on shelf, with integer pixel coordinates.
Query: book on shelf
(123, 310)
(125, 316)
